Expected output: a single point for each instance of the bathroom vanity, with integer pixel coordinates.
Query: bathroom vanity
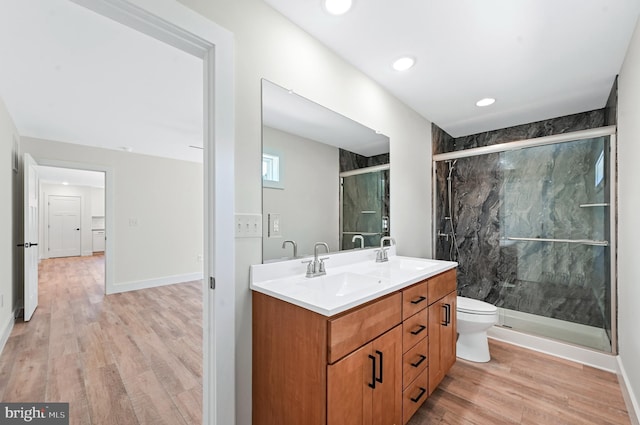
(365, 344)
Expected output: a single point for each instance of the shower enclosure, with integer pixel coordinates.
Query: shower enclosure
(531, 225)
(364, 203)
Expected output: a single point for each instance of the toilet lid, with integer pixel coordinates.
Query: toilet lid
(469, 305)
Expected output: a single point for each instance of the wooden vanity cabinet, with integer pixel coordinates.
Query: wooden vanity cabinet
(370, 365)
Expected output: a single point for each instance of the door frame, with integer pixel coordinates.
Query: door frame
(177, 25)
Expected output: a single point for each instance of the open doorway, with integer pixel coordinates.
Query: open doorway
(72, 231)
(72, 213)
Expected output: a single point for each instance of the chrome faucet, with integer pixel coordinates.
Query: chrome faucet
(382, 254)
(316, 267)
(295, 247)
(361, 238)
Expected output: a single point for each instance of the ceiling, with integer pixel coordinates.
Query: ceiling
(538, 58)
(295, 114)
(71, 75)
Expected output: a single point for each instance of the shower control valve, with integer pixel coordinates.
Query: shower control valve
(443, 235)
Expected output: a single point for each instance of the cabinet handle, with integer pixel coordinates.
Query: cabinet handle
(420, 329)
(446, 315)
(418, 300)
(379, 353)
(372, 384)
(422, 392)
(419, 362)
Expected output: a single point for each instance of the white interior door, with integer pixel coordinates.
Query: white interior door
(64, 226)
(30, 236)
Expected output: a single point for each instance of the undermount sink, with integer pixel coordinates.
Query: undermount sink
(410, 264)
(341, 284)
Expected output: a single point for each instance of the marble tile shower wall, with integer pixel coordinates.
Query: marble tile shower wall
(517, 194)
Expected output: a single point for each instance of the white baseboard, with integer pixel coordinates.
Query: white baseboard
(629, 397)
(7, 327)
(571, 352)
(153, 283)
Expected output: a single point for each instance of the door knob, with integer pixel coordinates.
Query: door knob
(78, 228)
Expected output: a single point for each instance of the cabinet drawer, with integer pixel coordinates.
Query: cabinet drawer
(441, 285)
(414, 395)
(361, 325)
(414, 329)
(414, 361)
(414, 299)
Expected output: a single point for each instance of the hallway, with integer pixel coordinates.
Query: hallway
(130, 358)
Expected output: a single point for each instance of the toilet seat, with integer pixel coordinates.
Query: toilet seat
(471, 306)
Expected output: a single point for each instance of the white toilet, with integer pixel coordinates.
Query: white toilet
(474, 317)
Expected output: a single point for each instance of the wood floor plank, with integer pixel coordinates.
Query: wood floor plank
(84, 348)
(524, 387)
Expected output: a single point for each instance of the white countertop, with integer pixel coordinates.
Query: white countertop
(353, 278)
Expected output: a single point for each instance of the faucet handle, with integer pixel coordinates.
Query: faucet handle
(310, 267)
(321, 268)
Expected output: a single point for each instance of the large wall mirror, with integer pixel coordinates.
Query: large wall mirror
(325, 178)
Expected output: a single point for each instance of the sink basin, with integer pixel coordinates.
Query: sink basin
(410, 264)
(341, 284)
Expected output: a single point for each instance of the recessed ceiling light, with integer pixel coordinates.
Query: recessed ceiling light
(337, 7)
(65, 183)
(127, 148)
(485, 102)
(404, 63)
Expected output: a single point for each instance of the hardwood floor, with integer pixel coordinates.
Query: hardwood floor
(130, 358)
(520, 386)
(136, 358)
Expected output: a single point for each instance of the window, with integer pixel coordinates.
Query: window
(271, 171)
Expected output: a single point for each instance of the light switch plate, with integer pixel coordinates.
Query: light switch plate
(248, 225)
(275, 229)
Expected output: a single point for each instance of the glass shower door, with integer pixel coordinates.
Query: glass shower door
(365, 206)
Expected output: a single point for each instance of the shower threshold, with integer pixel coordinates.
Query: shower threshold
(574, 333)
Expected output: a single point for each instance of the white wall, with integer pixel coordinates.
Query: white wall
(7, 236)
(269, 46)
(97, 202)
(85, 194)
(157, 215)
(309, 202)
(628, 214)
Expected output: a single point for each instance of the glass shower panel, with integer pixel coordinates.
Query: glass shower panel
(531, 231)
(365, 206)
(554, 228)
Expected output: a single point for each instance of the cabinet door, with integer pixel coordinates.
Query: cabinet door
(449, 334)
(442, 338)
(387, 395)
(365, 388)
(349, 392)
